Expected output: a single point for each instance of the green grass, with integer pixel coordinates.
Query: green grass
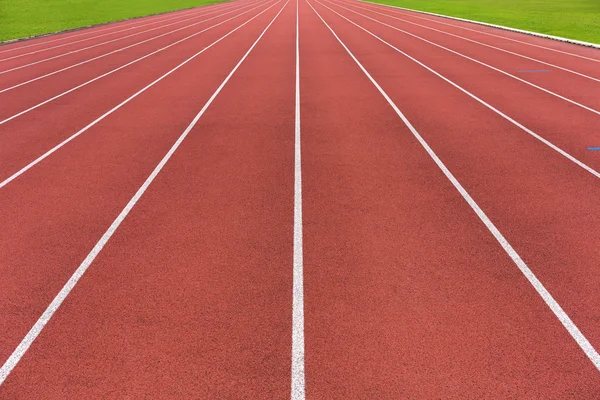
(575, 19)
(23, 18)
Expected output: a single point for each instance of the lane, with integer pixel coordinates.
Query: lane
(199, 305)
(25, 98)
(14, 65)
(28, 138)
(557, 83)
(559, 60)
(55, 213)
(407, 294)
(544, 205)
(551, 48)
(535, 112)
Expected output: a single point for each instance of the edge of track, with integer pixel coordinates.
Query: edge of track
(506, 28)
(81, 28)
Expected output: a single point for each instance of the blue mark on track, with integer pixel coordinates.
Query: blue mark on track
(535, 70)
(594, 148)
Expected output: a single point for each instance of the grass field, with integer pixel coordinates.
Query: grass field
(23, 18)
(575, 19)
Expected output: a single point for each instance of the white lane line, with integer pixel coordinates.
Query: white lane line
(472, 41)
(569, 325)
(112, 110)
(298, 382)
(93, 46)
(15, 46)
(512, 121)
(121, 49)
(477, 61)
(121, 67)
(475, 30)
(197, 13)
(37, 328)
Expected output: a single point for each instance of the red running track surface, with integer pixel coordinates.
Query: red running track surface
(392, 209)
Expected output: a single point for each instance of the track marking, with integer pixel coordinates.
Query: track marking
(184, 18)
(121, 67)
(476, 42)
(474, 30)
(106, 114)
(570, 326)
(37, 328)
(122, 49)
(298, 380)
(519, 125)
(476, 61)
(90, 30)
(90, 47)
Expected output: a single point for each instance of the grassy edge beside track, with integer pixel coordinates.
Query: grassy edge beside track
(573, 19)
(25, 18)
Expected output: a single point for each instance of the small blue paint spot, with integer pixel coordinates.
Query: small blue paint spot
(594, 148)
(535, 70)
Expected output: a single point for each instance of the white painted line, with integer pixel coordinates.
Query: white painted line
(121, 67)
(478, 62)
(121, 49)
(154, 22)
(37, 328)
(109, 112)
(298, 381)
(569, 325)
(491, 34)
(472, 41)
(89, 47)
(519, 125)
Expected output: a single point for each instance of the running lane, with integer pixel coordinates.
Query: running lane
(56, 211)
(407, 295)
(192, 296)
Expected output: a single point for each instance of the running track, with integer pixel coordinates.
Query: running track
(327, 199)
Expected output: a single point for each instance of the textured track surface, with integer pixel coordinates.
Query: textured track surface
(449, 236)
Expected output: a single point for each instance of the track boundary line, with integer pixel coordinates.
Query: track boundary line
(476, 61)
(2, 122)
(475, 30)
(474, 41)
(16, 48)
(503, 27)
(109, 112)
(122, 49)
(565, 320)
(489, 106)
(298, 377)
(37, 328)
